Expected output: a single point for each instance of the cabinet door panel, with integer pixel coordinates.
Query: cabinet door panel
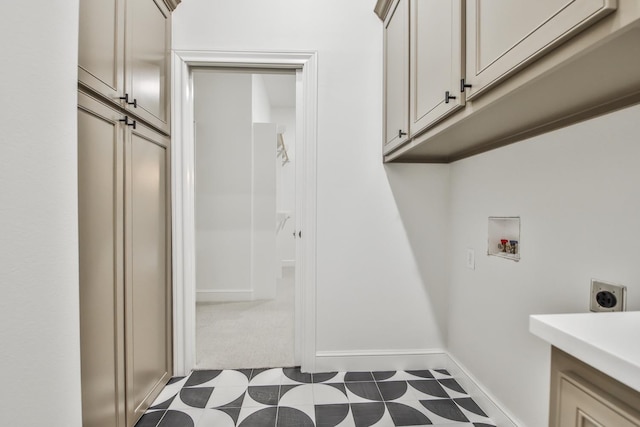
(148, 44)
(396, 76)
(100, 210)
(148, 272)
(101, 47)
(436, 61)
(505, 35)
(584, 406)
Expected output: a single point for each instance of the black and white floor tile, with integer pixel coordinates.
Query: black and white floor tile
(286, 397)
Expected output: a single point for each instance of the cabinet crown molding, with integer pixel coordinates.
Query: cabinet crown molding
(172, 4)
(382, 8)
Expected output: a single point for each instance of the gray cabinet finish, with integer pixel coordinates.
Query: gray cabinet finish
(436, 62)
(101, 47)
(101, 252)
(125, 285)
(505, 35)
(124, 48)
(396, 76)
(422, 67)
(582, 396)
(148, 296)
(147, 66)
(533, 67)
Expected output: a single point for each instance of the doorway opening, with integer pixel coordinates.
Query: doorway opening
(183, 163)
(245, 129)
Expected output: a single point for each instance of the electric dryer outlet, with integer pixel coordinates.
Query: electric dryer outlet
(607, 296)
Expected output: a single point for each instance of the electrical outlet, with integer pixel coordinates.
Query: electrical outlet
(471, 259)
(607, 296)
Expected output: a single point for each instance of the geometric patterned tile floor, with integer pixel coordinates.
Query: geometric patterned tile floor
(285, 397)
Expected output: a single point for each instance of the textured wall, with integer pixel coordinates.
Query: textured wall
(576, 190)
(39, 330)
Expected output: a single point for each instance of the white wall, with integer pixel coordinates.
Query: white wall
(372, 293)
(39, 326)
(261, 108)
(235, 188)
(263, 211)
(387, 233)
(223, 184)
(577, 191)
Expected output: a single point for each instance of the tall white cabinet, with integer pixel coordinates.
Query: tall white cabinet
(124, 208)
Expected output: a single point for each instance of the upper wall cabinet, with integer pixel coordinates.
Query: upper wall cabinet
(101, 47)
(528, 67)
(147, 66)
(396, 76)
(436, 62)
(504, 35)
(422, 66)
(124, 55)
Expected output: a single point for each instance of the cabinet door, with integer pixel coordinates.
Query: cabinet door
(101, 47)
(147, 68)
(148, 281)
(101, 215)
(396, 76)
(436, 61)
(504, 35)
(582, 405)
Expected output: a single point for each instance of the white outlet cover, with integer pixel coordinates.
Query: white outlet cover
(471, 259)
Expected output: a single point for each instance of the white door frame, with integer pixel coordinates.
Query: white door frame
(183, 190)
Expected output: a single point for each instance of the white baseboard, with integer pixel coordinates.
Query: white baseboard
(387, 360)
(207, 295)
(489, 404)
(379, 360)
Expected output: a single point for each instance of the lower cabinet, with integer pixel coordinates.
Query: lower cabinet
(147, 261)
(124, 241)
(584, 397)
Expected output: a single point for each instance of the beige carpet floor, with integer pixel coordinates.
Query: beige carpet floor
(251, 334)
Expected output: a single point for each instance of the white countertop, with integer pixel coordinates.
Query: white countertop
(610, 342)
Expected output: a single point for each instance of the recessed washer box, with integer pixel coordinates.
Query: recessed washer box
(504, 237)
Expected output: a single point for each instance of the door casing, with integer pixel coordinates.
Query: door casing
(183, 190)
